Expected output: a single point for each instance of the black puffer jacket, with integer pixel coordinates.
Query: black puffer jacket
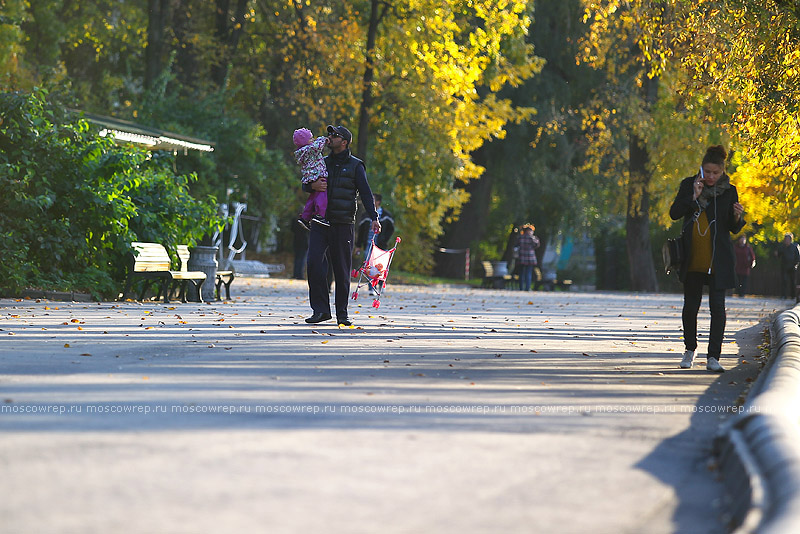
(719, 209)
(343, 170)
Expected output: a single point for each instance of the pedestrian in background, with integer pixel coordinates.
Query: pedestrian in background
(709, 206)
(527, 243)
(300, 247)
(745, 261)
(365, 233)
(789, 254)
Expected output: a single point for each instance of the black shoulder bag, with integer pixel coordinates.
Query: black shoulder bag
(672, 252)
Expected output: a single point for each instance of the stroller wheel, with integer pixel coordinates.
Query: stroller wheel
(354, 296)
(376, 304)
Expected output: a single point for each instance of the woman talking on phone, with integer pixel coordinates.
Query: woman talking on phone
(709, 206)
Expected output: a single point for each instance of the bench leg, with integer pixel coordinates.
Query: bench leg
(220, 281)
(165, 289)
(145, 285)
(127, 288)
(228, 287)
(199, 285)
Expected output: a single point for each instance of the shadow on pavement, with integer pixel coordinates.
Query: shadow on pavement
(682, 459)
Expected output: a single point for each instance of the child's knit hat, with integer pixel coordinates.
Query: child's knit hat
(302, 137)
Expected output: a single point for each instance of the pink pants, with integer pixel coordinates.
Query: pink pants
(317, 204)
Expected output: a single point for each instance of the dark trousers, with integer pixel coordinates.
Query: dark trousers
(299, 263)
(788, 282)
(692, 296)
(741, 287)
(330, 247)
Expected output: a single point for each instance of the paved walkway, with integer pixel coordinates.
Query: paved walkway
(449, 410)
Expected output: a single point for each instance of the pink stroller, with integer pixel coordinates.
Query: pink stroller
(374, 271)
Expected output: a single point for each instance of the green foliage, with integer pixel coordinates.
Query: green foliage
(535, 170)
(241, 162)
(73, 202)
(11, 16)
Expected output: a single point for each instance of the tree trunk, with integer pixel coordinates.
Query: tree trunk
(228, 33)
(186, 67)
(637, 224)
(369, 76)
(470, 227)
(158, 16)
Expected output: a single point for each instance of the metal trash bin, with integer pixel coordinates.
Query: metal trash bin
(204, 259)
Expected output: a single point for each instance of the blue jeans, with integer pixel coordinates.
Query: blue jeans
(525, 277)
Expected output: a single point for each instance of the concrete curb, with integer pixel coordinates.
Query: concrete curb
(759, 450)
(72, 296)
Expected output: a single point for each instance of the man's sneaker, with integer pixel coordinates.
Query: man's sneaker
(713, 365)
(320, 220)
(688, 359)
(304, 224)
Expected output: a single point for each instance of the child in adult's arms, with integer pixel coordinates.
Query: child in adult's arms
(309, 156)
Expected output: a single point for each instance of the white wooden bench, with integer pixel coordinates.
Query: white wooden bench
(151, 262)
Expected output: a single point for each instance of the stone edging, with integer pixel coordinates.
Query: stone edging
(56, 295)
(759, 450)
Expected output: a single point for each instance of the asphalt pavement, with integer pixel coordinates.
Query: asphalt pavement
(447, 409)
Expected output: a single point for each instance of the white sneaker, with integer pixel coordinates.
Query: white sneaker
(713, 365)
(688, 359)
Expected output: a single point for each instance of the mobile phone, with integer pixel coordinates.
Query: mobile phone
(701, 177)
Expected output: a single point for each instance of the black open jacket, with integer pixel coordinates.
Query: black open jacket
(719, 209)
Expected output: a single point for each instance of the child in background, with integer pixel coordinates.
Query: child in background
(309, 156)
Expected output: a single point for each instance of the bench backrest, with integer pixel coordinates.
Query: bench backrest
(488, 269)
(183, 254)
(149, 257)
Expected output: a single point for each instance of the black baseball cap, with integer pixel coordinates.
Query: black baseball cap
(342, 131)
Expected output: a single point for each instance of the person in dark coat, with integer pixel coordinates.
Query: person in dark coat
(745, 261)
(365, 233)
(300, 246)
(709, 206)
(789, 254)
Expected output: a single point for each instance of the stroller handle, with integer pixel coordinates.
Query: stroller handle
(396, 240)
